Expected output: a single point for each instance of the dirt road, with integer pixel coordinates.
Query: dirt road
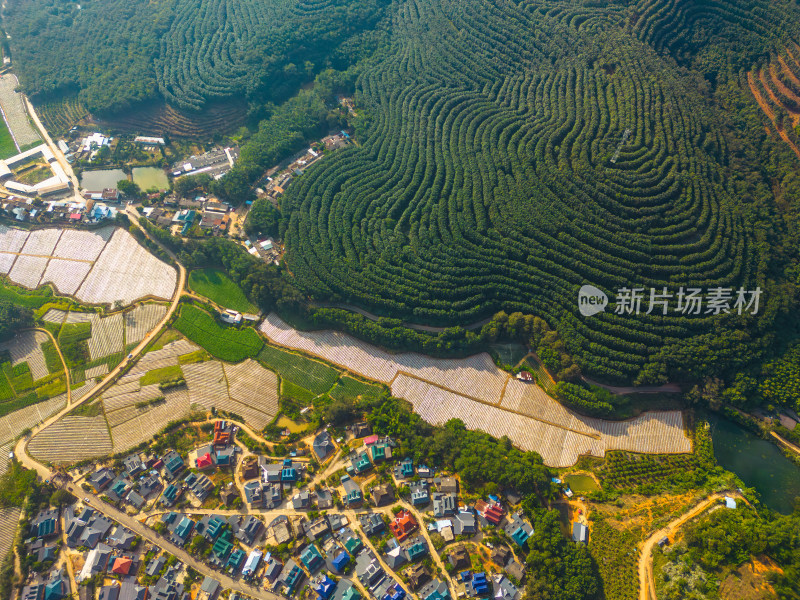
(647, 589)
(784, 442)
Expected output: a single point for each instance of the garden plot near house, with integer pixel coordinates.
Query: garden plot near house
(253, 393)
(27, 270)
(141, 320)
(83, 245)
(72, 439)
(65, 275)
(41, 242)
(27, 348)
(125, 271)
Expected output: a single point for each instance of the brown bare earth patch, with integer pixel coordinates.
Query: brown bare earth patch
(765, 106)
(748, 581)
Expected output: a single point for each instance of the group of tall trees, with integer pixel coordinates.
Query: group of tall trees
(13, 318)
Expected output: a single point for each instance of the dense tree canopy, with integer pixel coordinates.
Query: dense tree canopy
(13, 318)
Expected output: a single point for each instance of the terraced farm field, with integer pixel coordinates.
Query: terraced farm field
(71, 439)
(97, 267)
(14, 112)
(486, 398)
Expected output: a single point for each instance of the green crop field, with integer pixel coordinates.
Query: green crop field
(7, 146)
(160, 375)
(26, 298)
(306, 373)
(347, 387)
(226, 343)
(218, 287)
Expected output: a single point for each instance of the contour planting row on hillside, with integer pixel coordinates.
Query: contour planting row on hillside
(484, 180)
(102, 266)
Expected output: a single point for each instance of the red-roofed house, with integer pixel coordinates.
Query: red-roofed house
(205, 461)
(122, 566)
(493, 514)
(368, 441)
(403, 525)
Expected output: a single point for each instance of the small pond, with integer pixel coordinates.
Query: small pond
(150, 177)
(581, 484)
(759, 463)
(292, 426)
(98, 180)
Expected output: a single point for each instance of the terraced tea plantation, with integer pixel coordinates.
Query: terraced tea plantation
(103, 266)
(512, 152)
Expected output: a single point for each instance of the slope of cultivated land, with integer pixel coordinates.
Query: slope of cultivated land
(473, 376)
(164, 357)
(146, 422)
(28, 270)
(14, 423)
(484, 397)
(83, 245)
(27, 347)
(98, 267)
(106, 336)
(14, 112)
(41, 242)
(72, 439)
(215, 285)
(226, 343)
(206, 383)
(54, 315)
(65, 275)
(9, 521)
(126, 271)
(255, 390)
(140, 320)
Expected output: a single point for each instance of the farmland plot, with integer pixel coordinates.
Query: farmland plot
(106, 336)
(206, 383)
(476, 375)
(141, 320)
(11, 239)
(54, 315)
(151, 420)
(164, 357)
(14, 112)
(255, 390)
(41, 242)
(83, 245)
(485, 398)
(65, 275)
(14, 423)
(27, 347)
(126, 271)
(97, 371)
(9, 521)
(72, 439)
(27, 270)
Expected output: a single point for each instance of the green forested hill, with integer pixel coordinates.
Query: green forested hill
(117, 52)
(485, 176)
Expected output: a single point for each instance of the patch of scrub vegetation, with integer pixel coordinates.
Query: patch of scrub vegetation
(194, 357)
(305, 372)
(226, 343)
(162, 375)
(219, 288)
(88, 409)
(349, 387)
(72, 341)
(27, 298)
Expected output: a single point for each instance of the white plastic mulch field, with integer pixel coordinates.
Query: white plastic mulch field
(253, 393)
(72, 439)
(106, 336)
(12, 424)
(83, 245)
(27, 347)
(65, 275)
(141, 320)
(486, 398)
(126, 272)
(98, 267)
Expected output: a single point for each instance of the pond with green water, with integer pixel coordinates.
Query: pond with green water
(758, 463)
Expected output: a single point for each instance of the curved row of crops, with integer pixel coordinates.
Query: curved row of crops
(485, 179)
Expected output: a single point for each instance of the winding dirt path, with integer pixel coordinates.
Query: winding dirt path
(647, 589)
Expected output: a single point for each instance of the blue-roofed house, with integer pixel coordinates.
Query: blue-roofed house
(291, 577)
(325, 588)
(479, 584)
(417, 549)
(173, 464)
(183, 530)
(235, 560)
(434, 590)
(46, 524)
(311, 558)
(288, 472)
(340, 561)
(169, 495)
(361, 463)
